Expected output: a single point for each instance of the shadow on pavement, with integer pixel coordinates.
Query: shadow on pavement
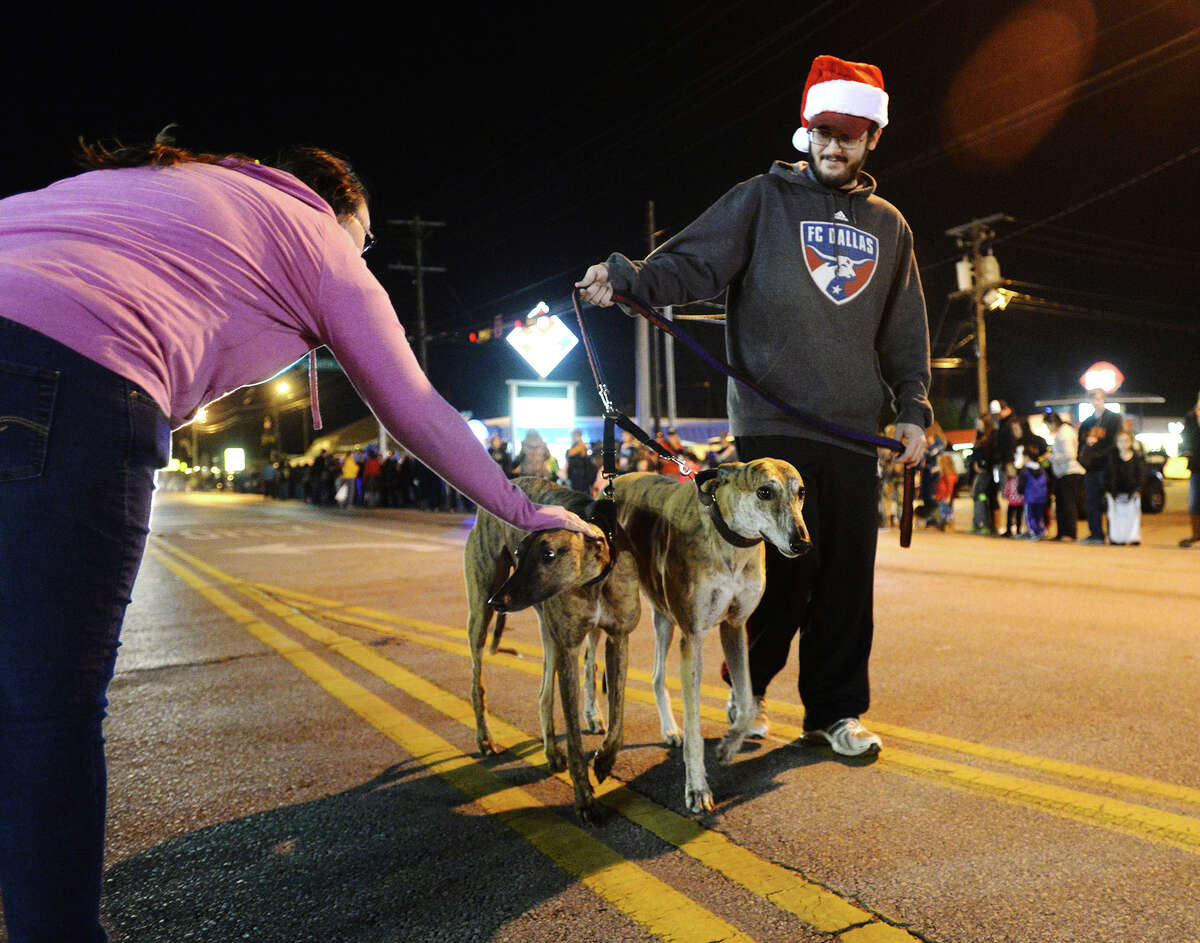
(364, 865)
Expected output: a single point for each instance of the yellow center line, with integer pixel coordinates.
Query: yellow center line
(652, 903)
(783, 887)
(1077, 771)
(1138, 821)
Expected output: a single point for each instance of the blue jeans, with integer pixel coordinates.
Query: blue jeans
(78, 449)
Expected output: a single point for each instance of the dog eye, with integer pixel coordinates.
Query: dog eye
(548, 554)
(765, 493)
(800, 493)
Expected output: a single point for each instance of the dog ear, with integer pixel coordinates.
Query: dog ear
(729, 471)
(603, 513)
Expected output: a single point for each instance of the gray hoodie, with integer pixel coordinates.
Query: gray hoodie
(824, 309)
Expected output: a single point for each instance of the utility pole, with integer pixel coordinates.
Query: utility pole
(641, 354)
(418, 228)
(655, 370)
(971, 238)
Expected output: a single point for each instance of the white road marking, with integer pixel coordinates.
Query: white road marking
(281, 549)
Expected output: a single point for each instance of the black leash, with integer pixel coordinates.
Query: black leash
(613, 417)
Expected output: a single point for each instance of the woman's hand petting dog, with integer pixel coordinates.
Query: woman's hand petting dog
(569, 521)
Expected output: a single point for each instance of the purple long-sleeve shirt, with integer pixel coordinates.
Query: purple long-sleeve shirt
(197, 279)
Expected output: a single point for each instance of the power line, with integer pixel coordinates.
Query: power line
(1124, 185)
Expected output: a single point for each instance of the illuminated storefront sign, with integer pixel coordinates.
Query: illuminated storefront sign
(1102, 376)
(543, 340)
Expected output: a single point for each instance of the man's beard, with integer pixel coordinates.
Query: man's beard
(847, 174)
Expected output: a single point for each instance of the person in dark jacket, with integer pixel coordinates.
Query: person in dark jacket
(498, 450)
(1097, 439)
(984, 500)
(824, 308)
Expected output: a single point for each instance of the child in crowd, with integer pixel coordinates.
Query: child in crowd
(1123, 484)
(1034, 487)
(1016, 501)
(947, 482)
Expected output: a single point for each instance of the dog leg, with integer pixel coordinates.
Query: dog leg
(567, 664)
(477, 626)
(616, 657)
(664, 630)
(696, 794)
(554, 757)
(733, 641)
(592, 715)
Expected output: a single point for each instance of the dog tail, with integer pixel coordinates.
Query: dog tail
(497, 632)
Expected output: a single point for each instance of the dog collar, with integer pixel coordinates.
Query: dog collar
(603, 573)
(604, 516)
(708, 500)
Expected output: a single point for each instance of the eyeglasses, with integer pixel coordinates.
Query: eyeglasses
(822, 138)
(368, 241)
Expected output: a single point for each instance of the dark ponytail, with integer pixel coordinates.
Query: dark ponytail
(161, 152)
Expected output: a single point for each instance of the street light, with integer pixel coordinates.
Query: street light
(201, 417)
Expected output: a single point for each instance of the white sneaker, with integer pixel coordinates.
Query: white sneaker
(761, 726)
(847, 737)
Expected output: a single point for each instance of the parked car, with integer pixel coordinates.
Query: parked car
(1154, 496)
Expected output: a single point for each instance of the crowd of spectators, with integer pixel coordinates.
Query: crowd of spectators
(1023, 486)
(397, 479)
(360, 478)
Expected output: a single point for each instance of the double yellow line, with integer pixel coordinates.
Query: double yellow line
(655, 905)
(1106, 811)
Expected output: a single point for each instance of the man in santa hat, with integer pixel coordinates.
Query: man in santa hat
(824, 309)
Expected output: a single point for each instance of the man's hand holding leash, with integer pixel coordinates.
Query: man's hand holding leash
(595, 287)
(913, 437)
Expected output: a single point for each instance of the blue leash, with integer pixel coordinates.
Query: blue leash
(668, 327)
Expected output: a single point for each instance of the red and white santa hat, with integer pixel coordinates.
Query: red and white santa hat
(843, 96)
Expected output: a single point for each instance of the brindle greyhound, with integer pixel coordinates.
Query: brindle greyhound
(701, 562)
(580, 586)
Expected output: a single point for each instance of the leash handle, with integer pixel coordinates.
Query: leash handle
(906, 515)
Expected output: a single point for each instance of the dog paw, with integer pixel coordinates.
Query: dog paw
(699, 800)
(673, 737)
(487, 748)
(587, 809)
(595, 725)
(603, 763)
(729, 747)
(556, 761)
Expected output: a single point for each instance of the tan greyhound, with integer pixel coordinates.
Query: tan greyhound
(580, 587)
(701, 562)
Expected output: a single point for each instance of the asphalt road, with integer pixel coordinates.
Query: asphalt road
(291, 754)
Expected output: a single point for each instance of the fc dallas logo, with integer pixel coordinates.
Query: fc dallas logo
(840, 258)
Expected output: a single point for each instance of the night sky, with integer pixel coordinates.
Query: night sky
(538, 136)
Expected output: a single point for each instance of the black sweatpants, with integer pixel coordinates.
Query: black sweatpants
(827, 594)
